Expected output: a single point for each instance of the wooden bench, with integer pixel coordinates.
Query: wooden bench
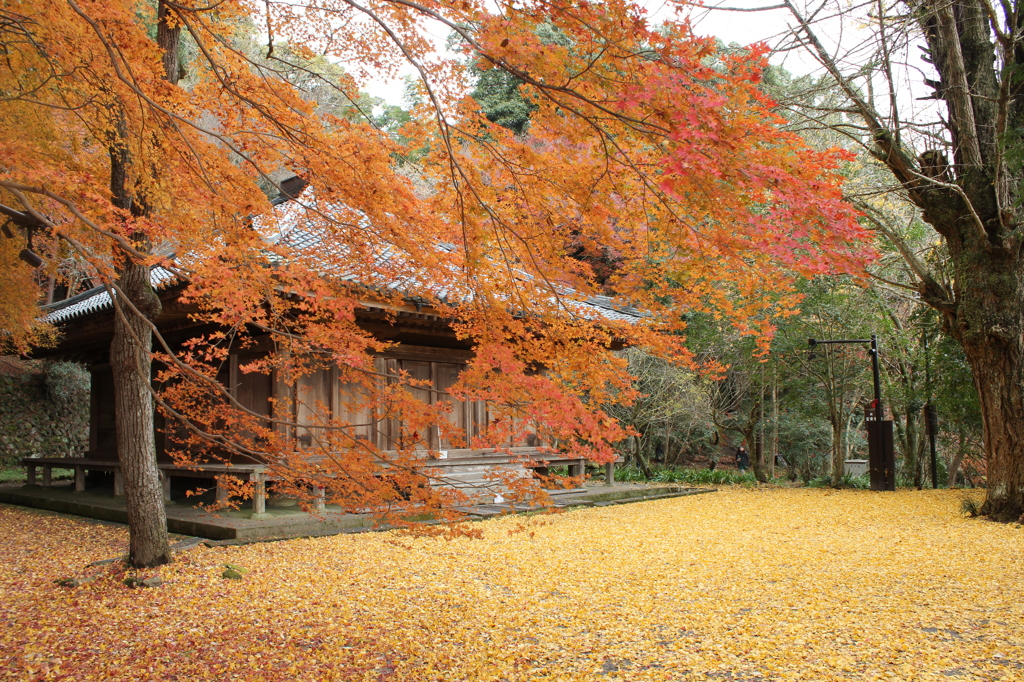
(79, 464)
(254, 473)
(577, 467)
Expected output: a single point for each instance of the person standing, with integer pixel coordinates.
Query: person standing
(742, 458)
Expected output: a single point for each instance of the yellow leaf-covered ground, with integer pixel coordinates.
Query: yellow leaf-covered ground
(735, 585)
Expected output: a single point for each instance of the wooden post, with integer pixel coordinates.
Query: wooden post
(259, 493)
(118, 483)
(319, 495)
(31, 474)
(79, 478)
(222, 493)
(47, 475)
(609, 473)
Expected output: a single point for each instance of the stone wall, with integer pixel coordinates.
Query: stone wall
(44, 409)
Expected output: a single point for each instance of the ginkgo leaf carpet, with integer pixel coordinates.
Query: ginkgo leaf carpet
(742, 584)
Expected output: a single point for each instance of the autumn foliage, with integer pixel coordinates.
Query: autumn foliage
(645, 143)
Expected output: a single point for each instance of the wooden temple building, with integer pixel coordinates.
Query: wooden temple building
(425, 346)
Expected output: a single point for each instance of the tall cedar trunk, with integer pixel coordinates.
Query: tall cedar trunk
(131, 365)
(924, 467)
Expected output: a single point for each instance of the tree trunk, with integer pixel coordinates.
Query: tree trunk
(988, 322)
(757, 461)
(758, 464)
(641, 461)
(997, 371)
(924, 461)
(131, 363)
(131, 347)
(980, 224)
(668, 443)
(837, 451)
(168, 37)
(954, 466)
(912, 462)
(775, 421)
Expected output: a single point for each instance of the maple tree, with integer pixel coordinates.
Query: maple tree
(645, 143)
(19, 314)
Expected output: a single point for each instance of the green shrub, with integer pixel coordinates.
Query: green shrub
(847, 481)
(970, 506)
(629, 474)
(689, 476)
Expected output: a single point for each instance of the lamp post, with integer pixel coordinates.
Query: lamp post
(880, 451)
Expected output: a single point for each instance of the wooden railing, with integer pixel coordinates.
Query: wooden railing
(254, 473)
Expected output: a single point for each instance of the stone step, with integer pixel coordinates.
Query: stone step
(488, 453)
(478, 484)
(490, 459)
(564, 491)
(456, 471)
(468, 461)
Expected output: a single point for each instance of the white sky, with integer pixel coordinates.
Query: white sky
(743, 28)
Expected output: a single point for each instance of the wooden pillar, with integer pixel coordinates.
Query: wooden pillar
(319, 495)
(79, 478)
(118, 482)
(259, 493)
(609, 473)
(222, 493)
(577, 468)
(47, 475)
(31, 474)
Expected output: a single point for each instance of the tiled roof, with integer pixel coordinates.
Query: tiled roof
(310, 245)
(613, 311)
(96, 299)
(301, 240)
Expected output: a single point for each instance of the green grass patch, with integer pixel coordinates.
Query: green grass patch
(20, 475)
